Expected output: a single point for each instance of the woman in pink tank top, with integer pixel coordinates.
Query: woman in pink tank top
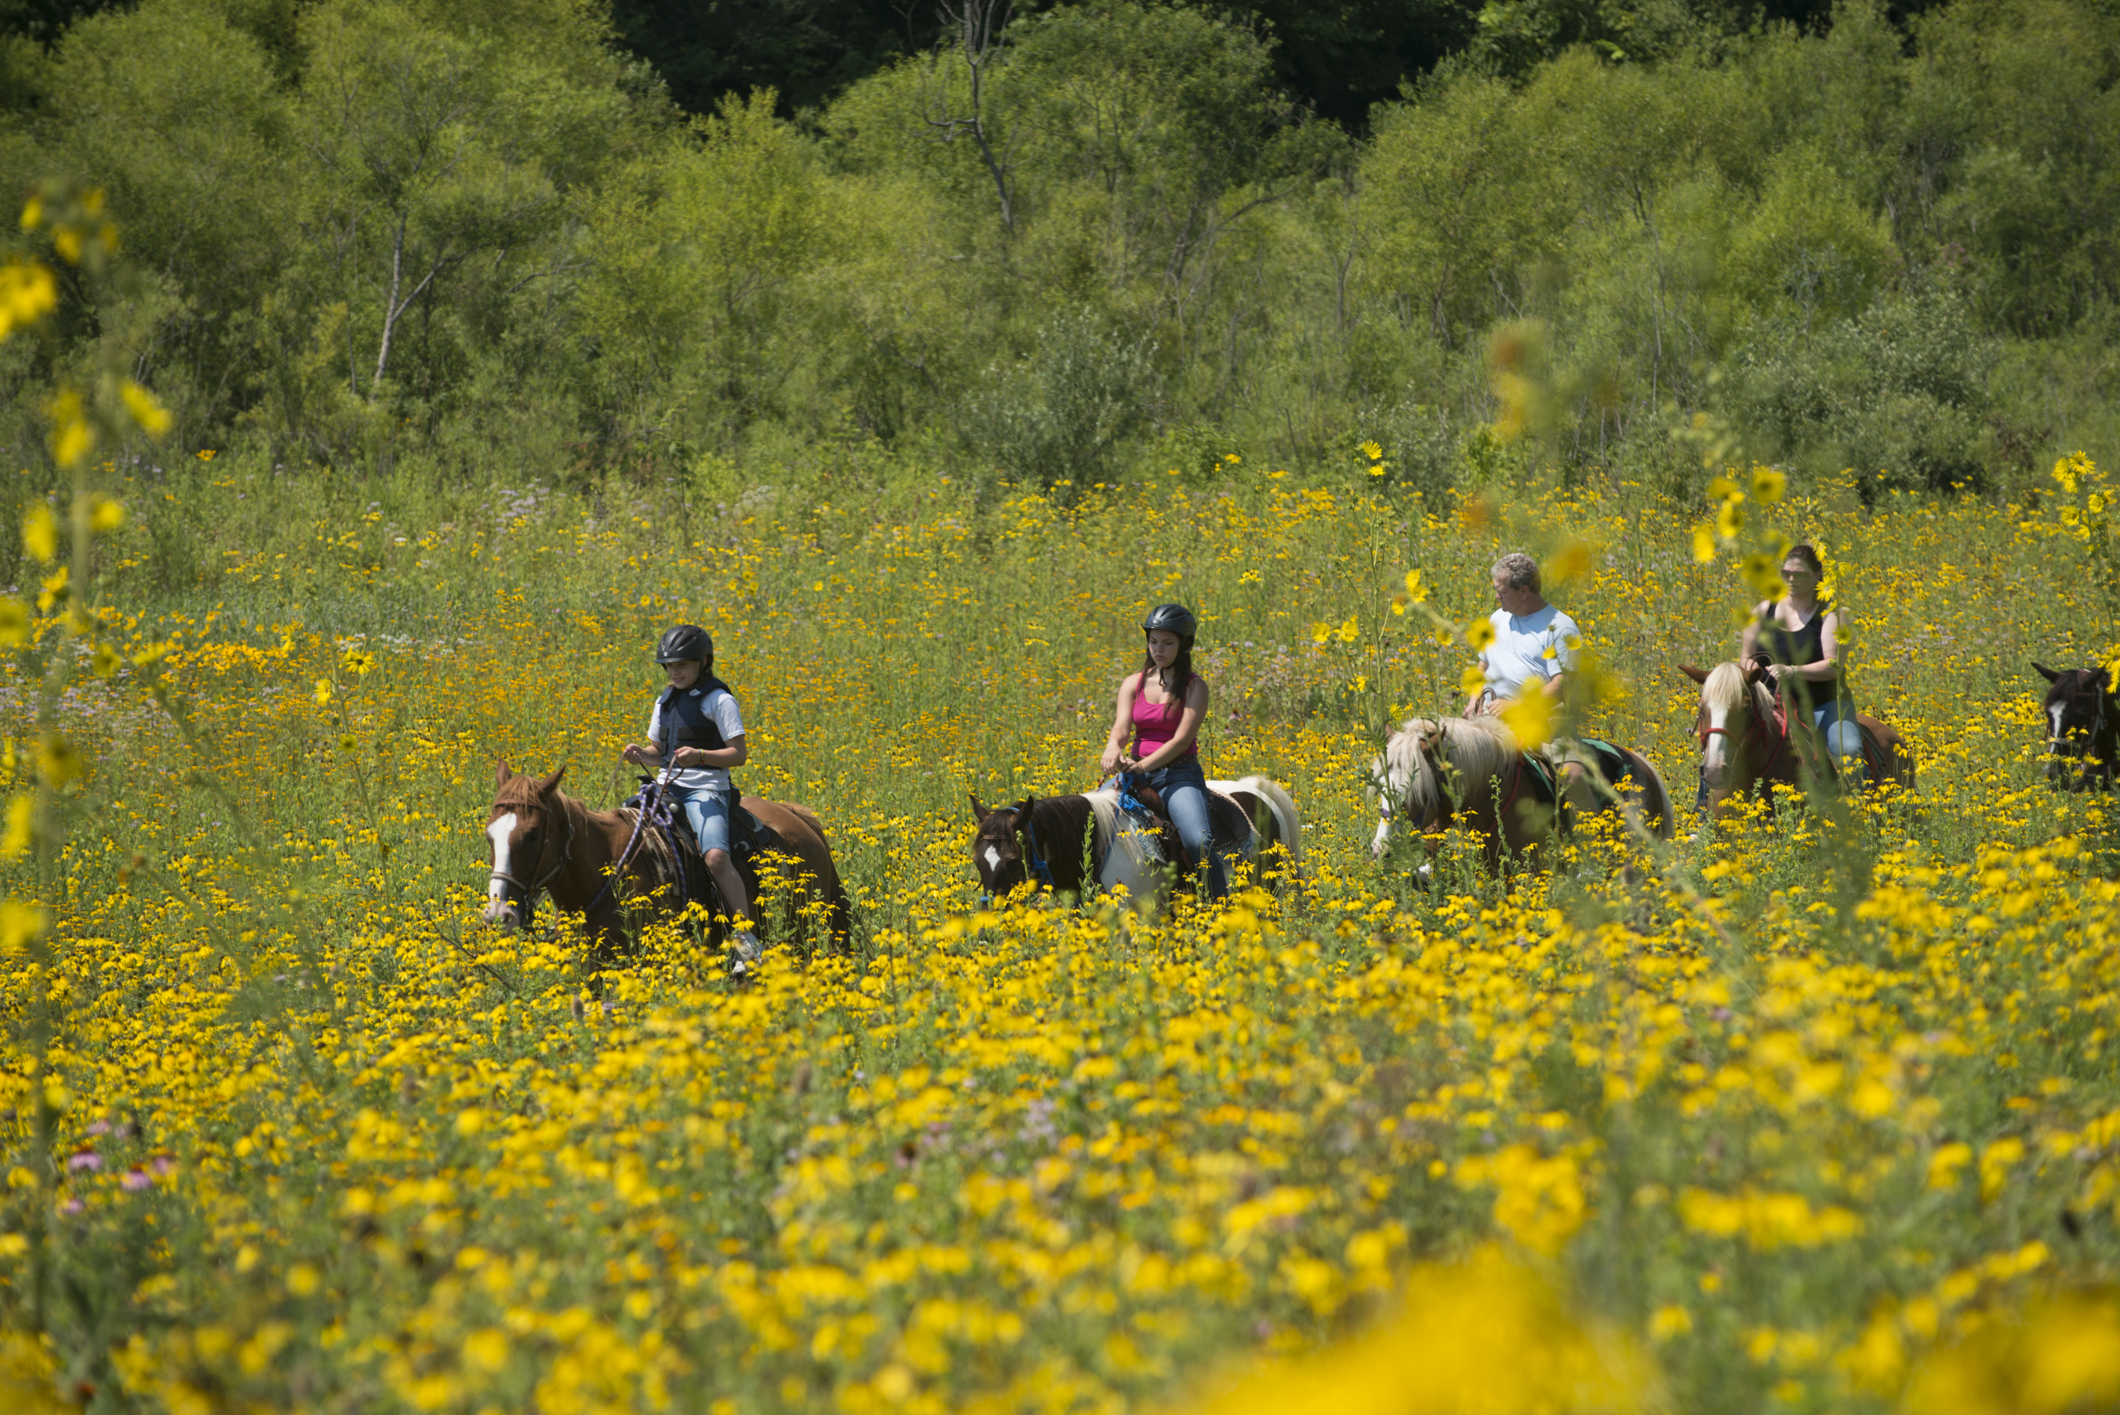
(1161, 708)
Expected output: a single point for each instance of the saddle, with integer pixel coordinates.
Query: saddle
(1606, 760)
(749, 839)
(1227, 822)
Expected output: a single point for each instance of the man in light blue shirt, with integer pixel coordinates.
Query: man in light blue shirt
(1534, 650)
(1534, 645)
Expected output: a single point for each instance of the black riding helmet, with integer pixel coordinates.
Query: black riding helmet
(1175, 618)
(687, 643)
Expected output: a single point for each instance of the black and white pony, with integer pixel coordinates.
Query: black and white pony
(1040, 839)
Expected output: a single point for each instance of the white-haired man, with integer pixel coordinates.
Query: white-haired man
(1533, 648)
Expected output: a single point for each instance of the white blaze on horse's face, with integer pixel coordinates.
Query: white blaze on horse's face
(1393, 790)
(497, 909)
(2055, 713)
(1715, 759)
(993, 859)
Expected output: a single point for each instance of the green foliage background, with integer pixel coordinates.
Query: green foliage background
(482, 237)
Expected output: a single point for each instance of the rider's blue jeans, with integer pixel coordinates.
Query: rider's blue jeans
(707, 813)
(1183, 787)
(1835, 722)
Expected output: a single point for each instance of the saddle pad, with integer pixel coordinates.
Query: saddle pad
(1612, 765)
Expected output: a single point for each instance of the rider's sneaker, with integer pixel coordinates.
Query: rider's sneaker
(745, 951)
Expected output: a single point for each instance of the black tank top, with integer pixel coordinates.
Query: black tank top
(1799, 646)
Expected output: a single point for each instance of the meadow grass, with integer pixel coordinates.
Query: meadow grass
(1793, 1116)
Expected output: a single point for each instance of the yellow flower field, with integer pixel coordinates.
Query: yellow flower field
(1817, 1112)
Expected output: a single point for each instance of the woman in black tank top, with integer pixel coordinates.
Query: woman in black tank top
(1798, 638)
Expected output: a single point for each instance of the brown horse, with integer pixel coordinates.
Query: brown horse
(2082, 711)
(543, 841)
(1471, 773)
(1745, 740)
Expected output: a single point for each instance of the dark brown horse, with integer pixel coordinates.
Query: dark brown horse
(1471, 773)
(1041, 839)
(543, 841)
(2082, 711)
(1746, 741)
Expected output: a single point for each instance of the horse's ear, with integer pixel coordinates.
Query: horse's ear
(551, 783)
(2047, 673)
(1023, 811)
(1752, 671)
(501, 772)
(978, 811)
(1698, 675)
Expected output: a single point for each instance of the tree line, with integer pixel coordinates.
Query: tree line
(1069, 241)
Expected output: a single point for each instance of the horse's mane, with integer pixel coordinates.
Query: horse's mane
(1727, 689)
(1064, 814)
(1477, 747)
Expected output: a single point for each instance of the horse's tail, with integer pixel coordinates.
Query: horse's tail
(1663, 822)
(839, 906)
(1287, 825)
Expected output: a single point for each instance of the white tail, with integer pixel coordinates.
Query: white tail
(1288, 827)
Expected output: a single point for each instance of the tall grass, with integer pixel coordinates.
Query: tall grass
(329, 1143)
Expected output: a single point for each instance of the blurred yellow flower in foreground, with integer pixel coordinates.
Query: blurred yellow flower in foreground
(2064, 1355)
(27, 293)
(1530, 717)
(1487, 1336)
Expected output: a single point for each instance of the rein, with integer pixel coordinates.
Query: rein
(1039, 867)
(625, 857)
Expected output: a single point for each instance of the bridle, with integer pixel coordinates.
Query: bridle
(2059, 744)
(1390, 802)
(527, 892)
(1033, 861)
(1755, 730)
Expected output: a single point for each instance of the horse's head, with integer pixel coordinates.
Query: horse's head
(1728, 704)
(530, 837)
(1406, 781)
(2082, 710)
(997, 850)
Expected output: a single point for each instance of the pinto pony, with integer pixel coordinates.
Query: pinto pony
(1745, 738)
(1039, 839)
(2082, 711)
(543, 841)
(1472, 773)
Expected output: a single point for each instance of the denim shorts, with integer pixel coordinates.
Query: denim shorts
(706, 813)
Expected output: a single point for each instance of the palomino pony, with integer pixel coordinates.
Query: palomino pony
(2082, 710)
(1039, 839)
(545, 842)
(1745, 739)
(1471, 772)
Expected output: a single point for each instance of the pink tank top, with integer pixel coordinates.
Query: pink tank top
(1155, 724)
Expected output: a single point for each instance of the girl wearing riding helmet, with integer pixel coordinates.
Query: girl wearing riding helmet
(697, 736)
(1162, 707)
(1798, 638)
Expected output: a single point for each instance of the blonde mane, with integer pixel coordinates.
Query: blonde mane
(1726, 688)
(1478, 748)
